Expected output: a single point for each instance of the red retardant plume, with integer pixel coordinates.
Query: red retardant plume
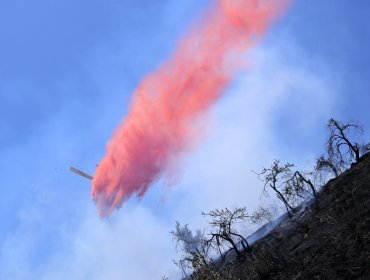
(159, 126)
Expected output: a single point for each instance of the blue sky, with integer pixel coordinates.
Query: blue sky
(67, 72)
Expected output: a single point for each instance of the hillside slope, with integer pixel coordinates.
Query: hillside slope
(330, 239)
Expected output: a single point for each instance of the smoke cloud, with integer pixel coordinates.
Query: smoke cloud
(167, 106)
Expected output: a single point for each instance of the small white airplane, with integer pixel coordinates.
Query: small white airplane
(81, 173)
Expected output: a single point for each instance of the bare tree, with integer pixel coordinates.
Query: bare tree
(260, 215)
(197, 260)
(330, 164)
(273, 178)
(192, 246)
(302, 184)
(290, 186)
(342, 147)
(223, 232)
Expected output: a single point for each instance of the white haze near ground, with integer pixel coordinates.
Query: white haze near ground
(135, 242)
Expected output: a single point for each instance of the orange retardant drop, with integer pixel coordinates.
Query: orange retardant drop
(159, 127)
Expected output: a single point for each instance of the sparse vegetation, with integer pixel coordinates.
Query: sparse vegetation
(260, 215)
(290, 186)
(205, 270)
(223, 234)
(274, 178)
(343, 147)
(204, 253)
(191, 246)
(201, 249)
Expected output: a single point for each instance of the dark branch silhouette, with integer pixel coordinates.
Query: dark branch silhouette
(223, 232)
(342, 148)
